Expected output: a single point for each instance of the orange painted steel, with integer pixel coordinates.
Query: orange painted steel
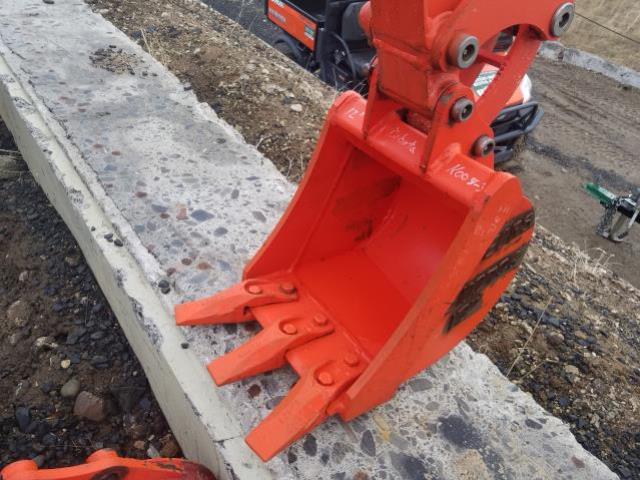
(401, 236)
(107, 465)
(295, 23)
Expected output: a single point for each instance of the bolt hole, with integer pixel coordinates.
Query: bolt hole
(488, 148)
(467, 111)
(565, 20)
(468, 53)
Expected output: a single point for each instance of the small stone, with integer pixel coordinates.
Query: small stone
(296, 107)
(571, 370)
(97, 335)
(89, 406)
(139, 445)
(49, 440)
(19, 313)
(164, 286)
(23, 418)
(170, 447)
(70, 389)
(99, 361)
(118, 243)
(66, 363)
(152, 452)
(75, 334)
(42, 343)
(555, 338)
(49, 2)
(23, 277)
(72, 261)
(127, 396)
(184, 345)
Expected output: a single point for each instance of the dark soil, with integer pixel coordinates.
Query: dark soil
(6, 140)
(568, 332)
(65, 330)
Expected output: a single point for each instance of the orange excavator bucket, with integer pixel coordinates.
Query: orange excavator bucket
(107, 465)
(401, 236)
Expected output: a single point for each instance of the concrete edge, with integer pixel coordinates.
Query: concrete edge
(201, 421)
(579, 58)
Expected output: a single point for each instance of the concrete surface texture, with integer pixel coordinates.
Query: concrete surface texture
(120, 147)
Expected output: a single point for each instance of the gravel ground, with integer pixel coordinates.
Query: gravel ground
(70, 382)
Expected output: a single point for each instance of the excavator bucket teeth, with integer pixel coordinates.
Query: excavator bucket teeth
(266, 351)
(401, 236)
(305, 407)
(233, 305)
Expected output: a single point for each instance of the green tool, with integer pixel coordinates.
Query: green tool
(627, 206)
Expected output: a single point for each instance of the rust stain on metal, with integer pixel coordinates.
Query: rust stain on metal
(469, 300)
(511, 231)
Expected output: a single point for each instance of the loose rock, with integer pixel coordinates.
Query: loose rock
(70, 389)
(89, 406)
(19, 313)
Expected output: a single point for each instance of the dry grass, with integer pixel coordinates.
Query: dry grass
(620, 15)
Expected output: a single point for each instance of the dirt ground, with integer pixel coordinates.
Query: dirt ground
(590, 133)
(567, 331)
(59, 338)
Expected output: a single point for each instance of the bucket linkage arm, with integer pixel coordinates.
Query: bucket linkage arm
(107, 465)
(401, 236)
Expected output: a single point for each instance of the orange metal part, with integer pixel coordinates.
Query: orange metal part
(401, 236)
(107, 465)
(291, 21)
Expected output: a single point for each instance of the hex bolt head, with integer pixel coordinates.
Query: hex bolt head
(289, 328)
(288, 288)
(320, 319)
(462, 110)
(254, 289)
(562, 19)
(325, 378)
(484, 146)
(351, 359)
(463, 51)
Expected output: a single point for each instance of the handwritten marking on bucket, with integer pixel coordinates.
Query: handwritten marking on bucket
(107, 465)
(401, 236)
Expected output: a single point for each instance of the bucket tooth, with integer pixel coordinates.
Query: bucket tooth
(234, 304)
(266, 351)
(303, 408)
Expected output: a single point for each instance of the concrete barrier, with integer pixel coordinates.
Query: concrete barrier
(588, 61)
(125, 153)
